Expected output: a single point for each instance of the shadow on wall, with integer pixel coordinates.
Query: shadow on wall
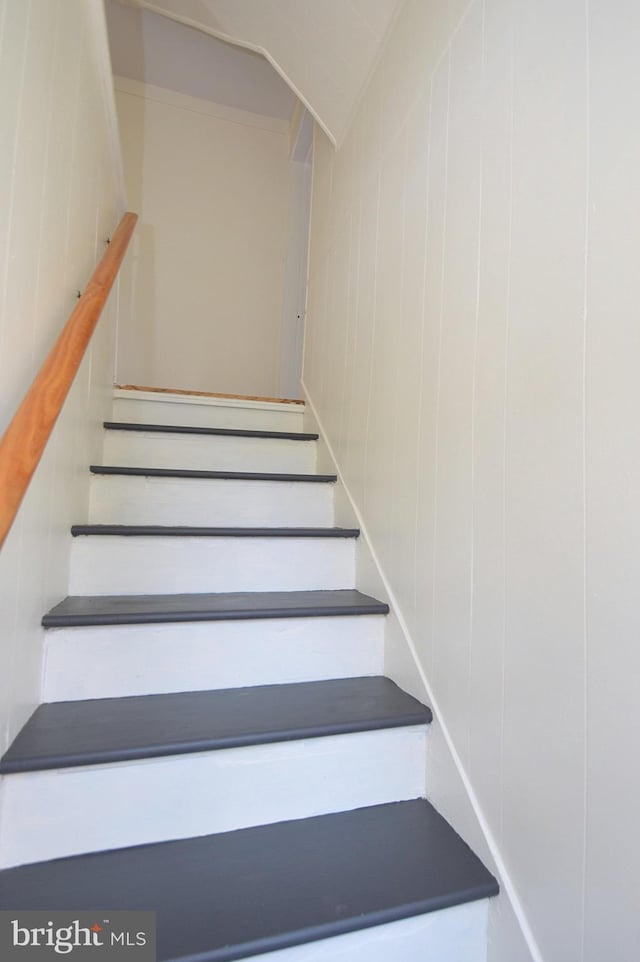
(136, 331)
(138, 277)
(135, 44)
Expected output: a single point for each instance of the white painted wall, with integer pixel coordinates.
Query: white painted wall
(295, 299)
(295, 296)
(211, 184)
(60, 198)
(472, 352)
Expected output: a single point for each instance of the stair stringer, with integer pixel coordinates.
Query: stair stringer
(449, 787)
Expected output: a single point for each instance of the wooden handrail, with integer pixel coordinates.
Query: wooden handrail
(26, 437)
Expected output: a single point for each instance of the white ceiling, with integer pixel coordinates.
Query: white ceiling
(325, 49)
(149, 48)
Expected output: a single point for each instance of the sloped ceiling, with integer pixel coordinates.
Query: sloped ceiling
(324, 49)
(154, 50)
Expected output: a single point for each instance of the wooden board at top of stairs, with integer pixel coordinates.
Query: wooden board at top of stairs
(236, 397)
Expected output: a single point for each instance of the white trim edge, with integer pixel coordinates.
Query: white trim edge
(506, 883)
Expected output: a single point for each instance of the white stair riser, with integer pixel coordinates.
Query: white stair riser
(280, 417)
(458, 934)
(114, 661)
(208, 452)
(106, 565)
(51, 814)
(118, 499)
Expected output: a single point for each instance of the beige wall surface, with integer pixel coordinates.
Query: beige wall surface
(59, 201)
(472, 352)
(205, 299)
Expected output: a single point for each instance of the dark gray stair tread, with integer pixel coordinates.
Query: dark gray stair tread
(79, 610)
(238, 894)
(218, 475)
(222, 432)
(178, 531)
(95, 731)
(221, 475)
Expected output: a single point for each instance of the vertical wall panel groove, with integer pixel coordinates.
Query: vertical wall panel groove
(57, 188)
(497, 471)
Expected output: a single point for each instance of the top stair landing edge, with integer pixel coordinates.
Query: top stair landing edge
(203, 411)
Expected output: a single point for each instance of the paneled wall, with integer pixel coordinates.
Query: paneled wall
(205, 299)
(472, 352)
(59, 201)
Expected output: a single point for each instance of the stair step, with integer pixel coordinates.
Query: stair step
(218, 475)
(153, 609)
(165, 563)
(111, 661)
(220, 432)
(54, 813)
(191, 531)
(147, 407)
(67, 734)
(237, 894)
(209, 448)
(140, 499)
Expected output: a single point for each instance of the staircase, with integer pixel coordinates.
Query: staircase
(218, 741)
